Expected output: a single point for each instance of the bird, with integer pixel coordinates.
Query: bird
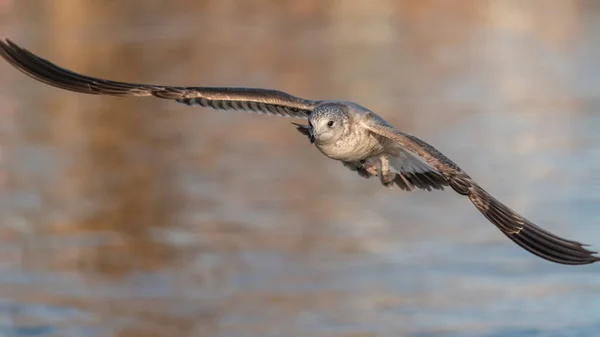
(341, 130)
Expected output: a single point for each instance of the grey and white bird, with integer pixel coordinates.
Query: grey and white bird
(343, 131)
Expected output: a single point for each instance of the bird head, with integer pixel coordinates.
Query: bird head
(328, 123)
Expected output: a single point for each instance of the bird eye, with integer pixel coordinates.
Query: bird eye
(330, 123)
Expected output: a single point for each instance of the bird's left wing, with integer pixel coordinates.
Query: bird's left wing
(520, 230)
(266, 101)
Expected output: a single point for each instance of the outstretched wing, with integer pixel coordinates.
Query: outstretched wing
(413, 172)
(265, 101)
(520, 230)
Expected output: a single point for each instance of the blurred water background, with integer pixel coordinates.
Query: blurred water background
(143, 217)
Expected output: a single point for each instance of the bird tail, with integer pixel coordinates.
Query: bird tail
(522, 231)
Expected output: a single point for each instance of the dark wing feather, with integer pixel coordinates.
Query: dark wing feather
(266, 101)
(520, 230)
(424, 181)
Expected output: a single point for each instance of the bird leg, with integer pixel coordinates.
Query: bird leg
(370, 166)
(358, 166)
(385, 174)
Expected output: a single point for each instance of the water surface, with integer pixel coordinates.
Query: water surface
(143, 217)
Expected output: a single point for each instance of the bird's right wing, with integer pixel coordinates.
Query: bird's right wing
(271, 102)
(520, 230)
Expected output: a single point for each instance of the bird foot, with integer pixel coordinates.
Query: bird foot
(372, 170)
(386, 176)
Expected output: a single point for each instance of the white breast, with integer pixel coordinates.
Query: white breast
(354, 147)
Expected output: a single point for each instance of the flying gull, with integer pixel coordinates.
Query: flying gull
(343, 131)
